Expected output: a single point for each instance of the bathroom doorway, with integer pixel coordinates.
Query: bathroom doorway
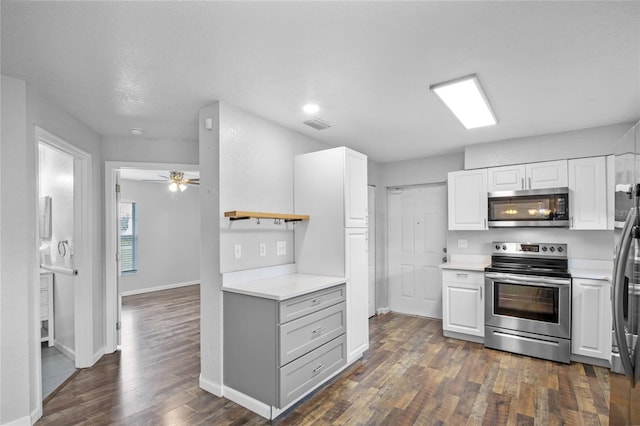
(65, 298)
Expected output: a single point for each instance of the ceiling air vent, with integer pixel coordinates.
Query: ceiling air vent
(317, 124)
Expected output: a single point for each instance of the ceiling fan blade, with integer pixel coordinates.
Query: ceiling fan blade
(192, 181)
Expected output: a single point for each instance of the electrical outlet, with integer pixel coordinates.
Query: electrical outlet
(263, 249)
(462, 243)
(237, 250)
(281, 248)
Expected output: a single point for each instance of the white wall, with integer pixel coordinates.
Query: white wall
(23, 107)
(56, 181)
(141, 149)
(246, 163)
(210, 275)
(50, 117)
(17, 261)
(573, 144)
(256, 174)
(168, 236)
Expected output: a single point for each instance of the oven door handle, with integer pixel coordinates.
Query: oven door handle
(518, 279)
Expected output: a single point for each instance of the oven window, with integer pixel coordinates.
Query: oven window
(526, 301)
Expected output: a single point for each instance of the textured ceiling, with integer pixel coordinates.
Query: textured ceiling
(545, 66)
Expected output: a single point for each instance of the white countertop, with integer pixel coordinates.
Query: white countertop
(464, 266)
(593, 274)
(283, 287)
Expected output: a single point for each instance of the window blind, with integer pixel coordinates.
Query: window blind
(128, 237)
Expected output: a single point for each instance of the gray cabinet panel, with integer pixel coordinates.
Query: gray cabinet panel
(306, 304)
(309, 332)
(303, 374)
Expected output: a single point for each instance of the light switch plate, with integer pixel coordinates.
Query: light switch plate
(237, 251)
(263, 249)
(462, 243)
(281, 248)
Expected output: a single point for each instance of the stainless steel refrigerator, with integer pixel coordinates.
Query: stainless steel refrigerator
(625, 354)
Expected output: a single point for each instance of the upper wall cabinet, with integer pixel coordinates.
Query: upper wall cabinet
(588, 193)
(548, 174)
(467, 191)
(355, 189)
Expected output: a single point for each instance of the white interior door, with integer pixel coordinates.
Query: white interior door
(417, 237)
(372, 249)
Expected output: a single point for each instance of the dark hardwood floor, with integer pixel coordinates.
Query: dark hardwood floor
(411, 375)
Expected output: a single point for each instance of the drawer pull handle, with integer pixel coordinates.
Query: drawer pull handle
(317, 300)
(459, 274)
(318, 368)
(318, 330)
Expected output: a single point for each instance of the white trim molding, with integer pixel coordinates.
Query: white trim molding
(211, 387)
(159, 288)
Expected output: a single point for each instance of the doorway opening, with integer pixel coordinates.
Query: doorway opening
(65, 269)
(152, 235)
(417, 242)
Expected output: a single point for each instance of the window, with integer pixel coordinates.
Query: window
(128, 238)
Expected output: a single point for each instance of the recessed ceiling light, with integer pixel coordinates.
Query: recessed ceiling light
(311, 108)
(467, 101)
(135, 131)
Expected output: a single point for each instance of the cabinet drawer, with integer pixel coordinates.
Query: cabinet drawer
(303, 374)
(309, 303)
(461, 276)
(311, 331)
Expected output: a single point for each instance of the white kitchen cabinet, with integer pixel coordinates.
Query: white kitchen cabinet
(467, 195)
(331, 187)
(588, 193)
(356, 200)
(611, 190)
(591, 318)
(463, 303)
(506, 178)
(547, 174)
(357, 292)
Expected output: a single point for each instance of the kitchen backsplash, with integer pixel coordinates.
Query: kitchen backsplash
(596, 245)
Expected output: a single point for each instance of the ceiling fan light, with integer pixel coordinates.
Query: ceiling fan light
(182, 187)
(173, 187)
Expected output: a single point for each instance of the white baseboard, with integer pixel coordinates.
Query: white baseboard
(382, 311)
(158, 288)
(98, 355)
(67, 351)
(211, 387)
(22, 421)
(260, 408)
(36, 414)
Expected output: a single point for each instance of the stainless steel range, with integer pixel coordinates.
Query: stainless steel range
(528, 300)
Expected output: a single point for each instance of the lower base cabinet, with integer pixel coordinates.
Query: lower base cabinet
(277, 351)
(463, 302)
(591, 318)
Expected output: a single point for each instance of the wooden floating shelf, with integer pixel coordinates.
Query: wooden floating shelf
(240, 215)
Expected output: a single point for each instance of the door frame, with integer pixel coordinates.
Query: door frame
(112, 297)
(389, 189)
(83, 262)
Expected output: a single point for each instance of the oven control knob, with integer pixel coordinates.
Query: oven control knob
(544, 248)
(504, 247)
(497, 246)
(552, 249)
(560, 250)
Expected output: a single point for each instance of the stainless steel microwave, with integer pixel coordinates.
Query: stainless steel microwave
(547, 207)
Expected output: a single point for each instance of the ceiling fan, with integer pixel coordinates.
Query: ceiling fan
(177, 181)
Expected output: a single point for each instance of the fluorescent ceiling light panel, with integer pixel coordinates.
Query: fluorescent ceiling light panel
(465, 98)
